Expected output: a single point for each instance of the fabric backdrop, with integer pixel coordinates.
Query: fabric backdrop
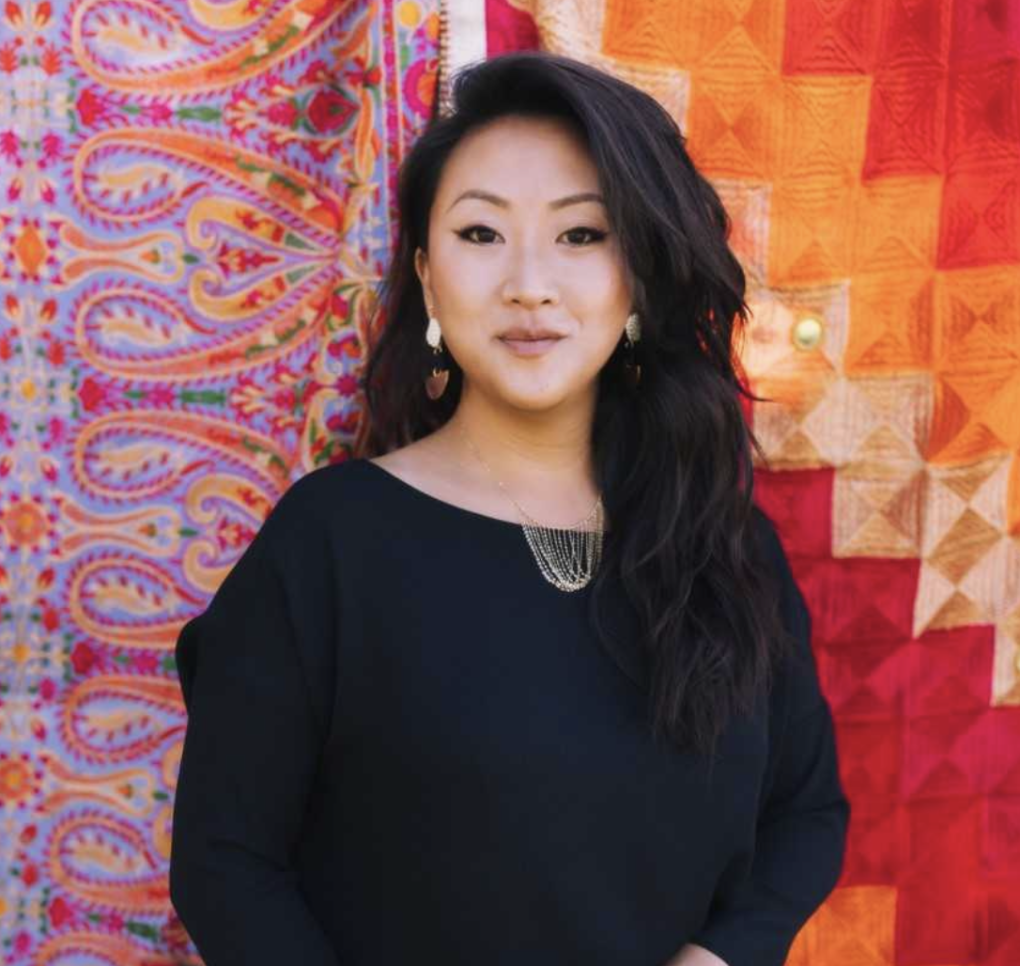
(196, 201)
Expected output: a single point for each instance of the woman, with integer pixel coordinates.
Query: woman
(529, 681)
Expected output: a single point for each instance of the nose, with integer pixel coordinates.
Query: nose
(529, 280)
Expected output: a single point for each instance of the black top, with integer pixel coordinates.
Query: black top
(405, 746)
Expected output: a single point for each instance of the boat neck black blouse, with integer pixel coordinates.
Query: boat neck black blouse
(405, 746)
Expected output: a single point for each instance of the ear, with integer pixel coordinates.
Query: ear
(637, 291)
(421, 268)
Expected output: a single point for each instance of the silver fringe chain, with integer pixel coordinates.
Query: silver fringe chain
(568, 558)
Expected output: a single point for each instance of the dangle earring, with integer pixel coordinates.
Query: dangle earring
(435, 383)
(632, 331)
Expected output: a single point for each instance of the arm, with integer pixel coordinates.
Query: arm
(803, 819)
(250, 753)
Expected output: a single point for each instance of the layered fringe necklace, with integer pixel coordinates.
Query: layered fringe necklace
(567, 556)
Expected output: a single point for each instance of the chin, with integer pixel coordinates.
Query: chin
(538, 400)
(535, 392)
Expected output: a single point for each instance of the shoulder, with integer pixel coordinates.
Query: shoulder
(765, 537)
(322, 495)
(774, 561)
(795, 614)
(769, 554)
(772, 555)
(321, 517)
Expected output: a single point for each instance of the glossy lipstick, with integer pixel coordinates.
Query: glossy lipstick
(529, 347)
(523, 341)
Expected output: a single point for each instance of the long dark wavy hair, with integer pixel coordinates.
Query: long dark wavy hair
(673, 456)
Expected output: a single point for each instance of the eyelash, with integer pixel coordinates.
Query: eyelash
(596, 234)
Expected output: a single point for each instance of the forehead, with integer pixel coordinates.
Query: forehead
(517, 156)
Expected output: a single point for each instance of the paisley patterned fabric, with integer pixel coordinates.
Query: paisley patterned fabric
(196, 203)
(869, 153)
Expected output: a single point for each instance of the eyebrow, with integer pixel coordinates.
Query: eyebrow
(555, 205)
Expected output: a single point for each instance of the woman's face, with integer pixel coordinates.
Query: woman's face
(525, 257)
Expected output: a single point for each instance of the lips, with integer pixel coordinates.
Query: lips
(529, 345)
(530, 335)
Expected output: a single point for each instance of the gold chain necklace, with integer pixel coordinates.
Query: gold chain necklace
(567, 556)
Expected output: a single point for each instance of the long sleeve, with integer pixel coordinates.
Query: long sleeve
(803, 819)
(255, 692)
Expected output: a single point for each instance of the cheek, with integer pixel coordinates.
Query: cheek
(602, 288)
(602, 305)
(465, 295)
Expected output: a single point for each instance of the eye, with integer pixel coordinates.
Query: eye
(465, 233)
(595, 234)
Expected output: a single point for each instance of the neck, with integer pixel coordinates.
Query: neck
(529, 452)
